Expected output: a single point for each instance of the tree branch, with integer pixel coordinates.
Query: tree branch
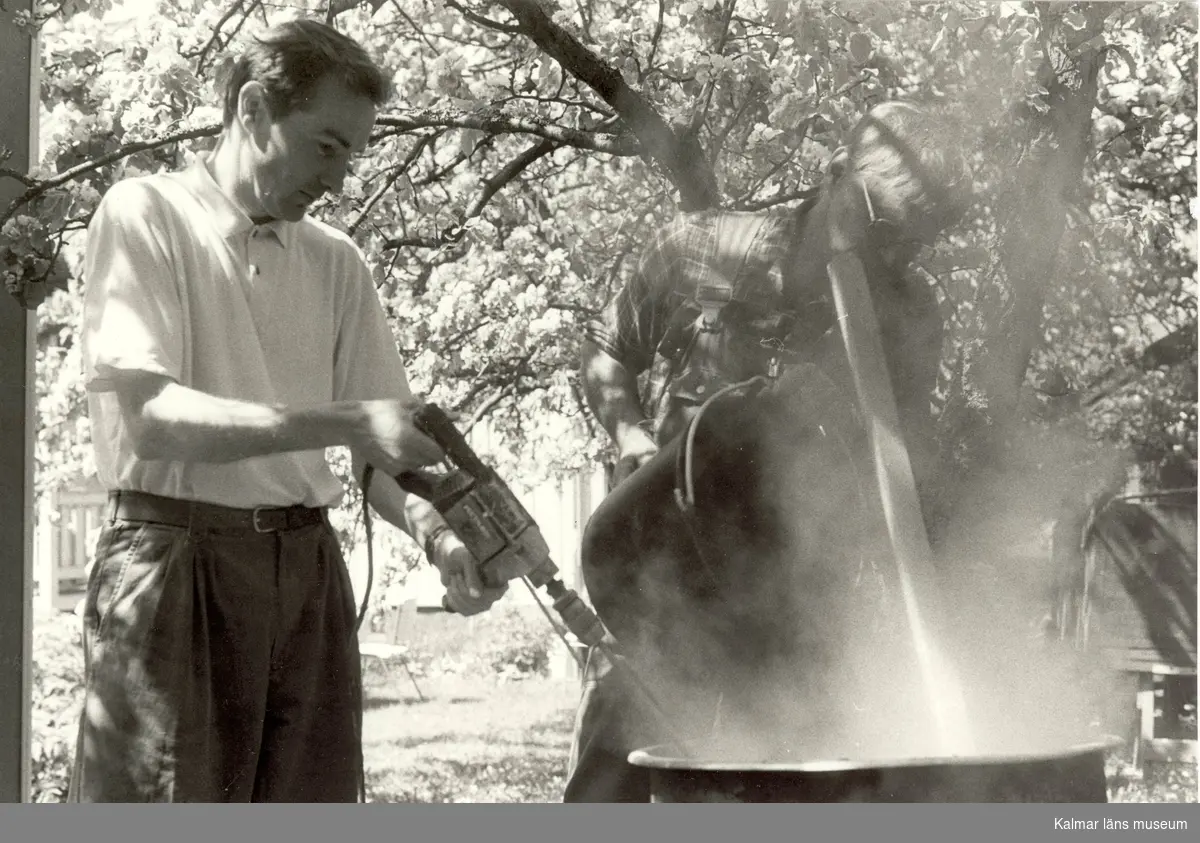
(693, 178)
(490, 188)
(17, 175)
(397, 171)
(777, 199)
(435, 118)
(513, 169)
(499, 124)
(203, 55)
(1034, 216)
(479, 19)
(487, 406)
(705, 98)
(656, 37)
(59, 179)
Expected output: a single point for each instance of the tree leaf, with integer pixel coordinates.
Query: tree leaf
(804, 80)
(1075, 19)
(778, 11)
(977, 25)
(841, 76)
(861, 47)
(937, 42)
(1127, 56)
(468, 139)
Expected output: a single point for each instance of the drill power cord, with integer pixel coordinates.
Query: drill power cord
(368, 472)
(362, 613)
(685, 484)
(559, 630)
(686, 497)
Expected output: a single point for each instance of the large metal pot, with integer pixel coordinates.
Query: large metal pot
(1073, 774)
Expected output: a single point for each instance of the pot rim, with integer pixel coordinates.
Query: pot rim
(657, 757)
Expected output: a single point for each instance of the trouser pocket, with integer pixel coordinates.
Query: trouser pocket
(135, 647)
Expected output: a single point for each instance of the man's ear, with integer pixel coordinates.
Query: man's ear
(838, 163)
(253, 112)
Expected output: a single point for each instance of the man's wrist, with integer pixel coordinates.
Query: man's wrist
(349, 421)
(634, 439)
(432, 538)
(337, 424)
(422, 519)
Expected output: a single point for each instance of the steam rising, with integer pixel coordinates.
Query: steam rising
(843, 681)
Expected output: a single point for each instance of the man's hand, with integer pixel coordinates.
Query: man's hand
(635, 448)
(465, 591)
(387, 438)
(611, 391)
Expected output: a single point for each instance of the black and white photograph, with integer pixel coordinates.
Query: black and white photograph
(599, 401)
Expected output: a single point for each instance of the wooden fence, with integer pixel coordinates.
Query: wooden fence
(67, 525)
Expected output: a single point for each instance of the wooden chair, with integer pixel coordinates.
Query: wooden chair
(386, 648)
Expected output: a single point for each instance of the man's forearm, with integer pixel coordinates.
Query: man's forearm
(612, 394)
(179, 423)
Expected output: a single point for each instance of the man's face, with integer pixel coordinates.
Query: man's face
(859, 220)
(296, 159)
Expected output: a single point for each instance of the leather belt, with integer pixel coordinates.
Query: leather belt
(173, 512)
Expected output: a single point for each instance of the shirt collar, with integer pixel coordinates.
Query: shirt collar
(231, 221)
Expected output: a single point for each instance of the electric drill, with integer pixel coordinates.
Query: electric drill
(505, 540)
(486, 516)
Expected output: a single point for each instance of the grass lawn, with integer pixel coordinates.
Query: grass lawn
(471, 740)
(478, 740)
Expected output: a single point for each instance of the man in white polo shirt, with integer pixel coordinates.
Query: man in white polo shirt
(229, 339)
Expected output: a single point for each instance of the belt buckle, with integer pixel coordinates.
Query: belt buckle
(254, 520)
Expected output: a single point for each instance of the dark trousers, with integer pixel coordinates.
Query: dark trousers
(221, 658)
(609, 724)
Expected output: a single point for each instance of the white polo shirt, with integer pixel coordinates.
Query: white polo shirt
(180, 282)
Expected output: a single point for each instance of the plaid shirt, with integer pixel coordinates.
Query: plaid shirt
(681, 257)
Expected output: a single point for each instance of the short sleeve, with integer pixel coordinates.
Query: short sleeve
(132, 313)
(632, 324)
(367, 363)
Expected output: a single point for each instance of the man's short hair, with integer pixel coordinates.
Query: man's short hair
(913, 165)
(291, 59)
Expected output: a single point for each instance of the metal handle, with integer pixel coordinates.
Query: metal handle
(418, 482)
(432, 420)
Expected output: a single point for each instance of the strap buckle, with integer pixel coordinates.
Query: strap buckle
(712, 300)
(259, 528)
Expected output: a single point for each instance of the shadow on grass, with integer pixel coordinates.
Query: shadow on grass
(529, 742)
(373, 703)
(516, 778)
(413, 742)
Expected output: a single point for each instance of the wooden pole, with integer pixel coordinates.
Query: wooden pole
(17, 120)
(911, 550)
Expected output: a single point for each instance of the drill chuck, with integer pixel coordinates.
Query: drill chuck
(580, 619)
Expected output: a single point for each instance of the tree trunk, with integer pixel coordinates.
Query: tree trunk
(1034, 220)
(981, 423)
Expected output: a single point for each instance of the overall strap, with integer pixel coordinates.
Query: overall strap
(696, 345)
(740, 232)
